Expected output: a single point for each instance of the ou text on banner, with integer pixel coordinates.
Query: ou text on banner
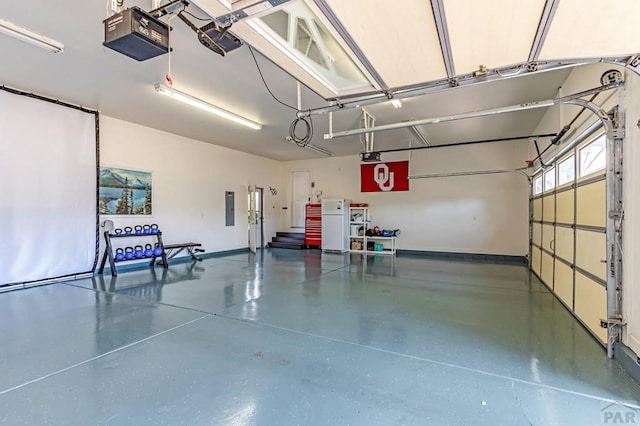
(384, 177)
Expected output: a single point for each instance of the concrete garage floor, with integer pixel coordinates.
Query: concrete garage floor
(296, 337)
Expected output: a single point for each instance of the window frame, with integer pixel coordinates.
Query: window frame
(569, 159)
(581, 148)
(537, 178)
(551, 171)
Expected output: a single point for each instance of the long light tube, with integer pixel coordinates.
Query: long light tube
(205, 106)
(24, 34)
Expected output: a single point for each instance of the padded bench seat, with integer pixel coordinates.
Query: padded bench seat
(172, 250)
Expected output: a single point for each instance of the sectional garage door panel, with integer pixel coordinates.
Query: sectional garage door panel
(536, 237)
(568, 230)
(565, 207)
(549, 208)
(591, 304)
(547, 269)
(536, 259)
(564, 243)
(537, 209)
(547, 237)
(564, 283)
(591, 252)
(591, 203)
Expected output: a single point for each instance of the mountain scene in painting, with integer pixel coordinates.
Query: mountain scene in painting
(124, 192)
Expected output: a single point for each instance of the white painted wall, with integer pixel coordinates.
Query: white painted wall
(189, 183)
(472, 214)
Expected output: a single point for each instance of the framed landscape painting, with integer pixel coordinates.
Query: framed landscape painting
(125, 192)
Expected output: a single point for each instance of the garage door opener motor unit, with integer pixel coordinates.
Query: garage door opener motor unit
(136, 34)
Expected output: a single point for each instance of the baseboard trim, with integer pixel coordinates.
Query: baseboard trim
(474, 257)
(220, 253)
(144, 264)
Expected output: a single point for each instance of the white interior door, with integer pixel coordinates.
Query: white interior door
(259, 196)
(300, 196)
(253, 236)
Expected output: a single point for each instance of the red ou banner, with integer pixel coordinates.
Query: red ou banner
(384, 177)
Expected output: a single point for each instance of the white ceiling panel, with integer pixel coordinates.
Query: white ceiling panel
(580, 29)
(400, 40)
(492, 32)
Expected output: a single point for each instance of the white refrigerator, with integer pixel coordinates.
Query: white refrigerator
(335, 225)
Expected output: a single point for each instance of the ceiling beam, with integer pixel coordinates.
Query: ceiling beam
(443, 34)
(358, 53)
(548, 13)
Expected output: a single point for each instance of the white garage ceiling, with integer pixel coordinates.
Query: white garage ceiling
(434, 44)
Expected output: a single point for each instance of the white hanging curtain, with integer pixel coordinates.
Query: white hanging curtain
(48, 219)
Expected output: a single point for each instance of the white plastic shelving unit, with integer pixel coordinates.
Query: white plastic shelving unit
(359, 222)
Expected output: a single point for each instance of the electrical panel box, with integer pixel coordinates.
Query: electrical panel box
(229, 203)
(136, 34)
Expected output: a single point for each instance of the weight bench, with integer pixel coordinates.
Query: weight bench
(172, 250)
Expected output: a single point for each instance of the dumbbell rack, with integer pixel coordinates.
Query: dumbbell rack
(108, 251)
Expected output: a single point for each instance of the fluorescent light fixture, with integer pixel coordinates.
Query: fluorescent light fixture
(205, 106)
(24, 34)
(397, 103)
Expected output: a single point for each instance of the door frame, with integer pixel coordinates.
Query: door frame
(260, 219)
(254, 219)
(292, 198)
